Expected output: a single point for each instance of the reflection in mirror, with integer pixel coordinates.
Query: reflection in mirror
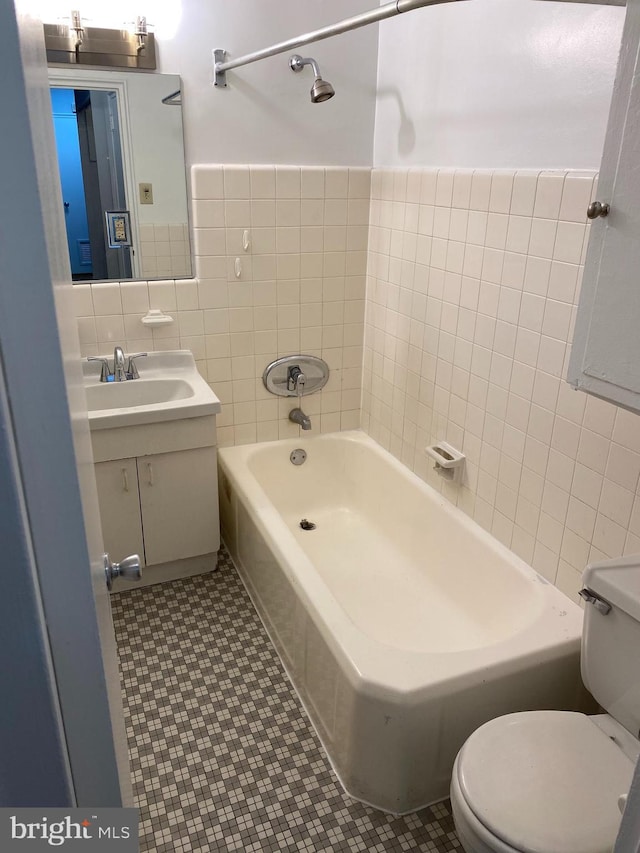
(121, 160)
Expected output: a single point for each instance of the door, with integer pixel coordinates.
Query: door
(605, 357)
(47, 420)
(103, 171)
(75, 210)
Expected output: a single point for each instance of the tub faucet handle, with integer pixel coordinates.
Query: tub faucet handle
(295, 379)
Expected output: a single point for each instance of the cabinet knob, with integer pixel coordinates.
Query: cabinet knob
(597, 209)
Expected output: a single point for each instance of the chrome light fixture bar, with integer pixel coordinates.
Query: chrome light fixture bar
(74, 44)
(389, 10)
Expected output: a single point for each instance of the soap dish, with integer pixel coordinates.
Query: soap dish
(155, 317)
(449, 462)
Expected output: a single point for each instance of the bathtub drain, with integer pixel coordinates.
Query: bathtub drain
(307, 525)
(298, 456)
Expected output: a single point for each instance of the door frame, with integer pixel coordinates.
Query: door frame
(46, 420)
(81, 78)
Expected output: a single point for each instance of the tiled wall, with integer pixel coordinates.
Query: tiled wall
(301, 289)
(473, 279)
(165, 251)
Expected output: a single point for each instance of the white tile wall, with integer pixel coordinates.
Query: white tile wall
(165, 250)
(473, 279)
(301, 288)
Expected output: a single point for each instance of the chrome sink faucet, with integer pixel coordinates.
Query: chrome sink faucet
(119, 371)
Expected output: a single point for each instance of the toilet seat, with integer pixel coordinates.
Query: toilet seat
(543, 782)
(474, 837)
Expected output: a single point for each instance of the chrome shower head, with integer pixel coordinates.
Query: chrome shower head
(321, 89)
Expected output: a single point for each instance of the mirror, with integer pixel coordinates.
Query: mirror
(121, 158)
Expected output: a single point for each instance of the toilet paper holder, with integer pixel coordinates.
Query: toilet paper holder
(449, 462)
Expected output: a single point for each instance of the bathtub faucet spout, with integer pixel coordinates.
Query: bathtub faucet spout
(297, 416)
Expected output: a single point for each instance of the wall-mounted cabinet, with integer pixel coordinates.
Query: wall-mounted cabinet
(605, 359)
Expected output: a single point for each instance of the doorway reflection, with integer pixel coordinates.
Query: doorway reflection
(87, 131)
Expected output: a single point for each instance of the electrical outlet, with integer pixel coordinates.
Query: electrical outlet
(146, 193)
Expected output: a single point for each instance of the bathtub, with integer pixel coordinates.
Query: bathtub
(402, 624)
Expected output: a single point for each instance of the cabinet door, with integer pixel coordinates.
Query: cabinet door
(605, 359)
(179, 503)
(119, 501)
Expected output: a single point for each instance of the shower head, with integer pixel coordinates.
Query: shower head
(321, 89)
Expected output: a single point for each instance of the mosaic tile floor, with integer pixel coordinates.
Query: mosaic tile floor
(223, 756)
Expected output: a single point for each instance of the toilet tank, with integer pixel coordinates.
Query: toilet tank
(610, 660)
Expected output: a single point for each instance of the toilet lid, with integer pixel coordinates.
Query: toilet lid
(545, 782)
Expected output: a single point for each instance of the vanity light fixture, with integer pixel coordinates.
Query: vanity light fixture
(76, 26)
(71, 43)
(141, 32)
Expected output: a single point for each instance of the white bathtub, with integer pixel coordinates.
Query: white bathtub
(402, 624)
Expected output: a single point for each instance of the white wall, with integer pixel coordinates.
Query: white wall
(266, 116)
(496, 84)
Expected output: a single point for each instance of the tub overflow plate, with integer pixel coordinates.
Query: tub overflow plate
(298, 456)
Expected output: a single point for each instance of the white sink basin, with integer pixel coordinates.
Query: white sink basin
(138, 392)
(169, 388)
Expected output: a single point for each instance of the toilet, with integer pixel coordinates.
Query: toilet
(556, 781)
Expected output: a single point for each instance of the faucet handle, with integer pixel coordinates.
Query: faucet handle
(295, 378)
(104, 372)
(131, 366)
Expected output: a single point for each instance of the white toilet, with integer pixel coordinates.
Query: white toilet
(556, 781)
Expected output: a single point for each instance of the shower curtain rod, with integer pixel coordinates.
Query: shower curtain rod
(389, 10)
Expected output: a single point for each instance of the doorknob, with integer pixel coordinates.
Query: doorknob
(129, 569)
(597, 209)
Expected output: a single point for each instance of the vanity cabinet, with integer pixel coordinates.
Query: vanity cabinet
(162, 506)
(158, 495)
(605, 358)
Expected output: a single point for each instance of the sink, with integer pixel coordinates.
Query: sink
(169, 388)
(142, 392)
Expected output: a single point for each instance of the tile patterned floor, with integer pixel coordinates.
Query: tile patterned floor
(223, 756)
